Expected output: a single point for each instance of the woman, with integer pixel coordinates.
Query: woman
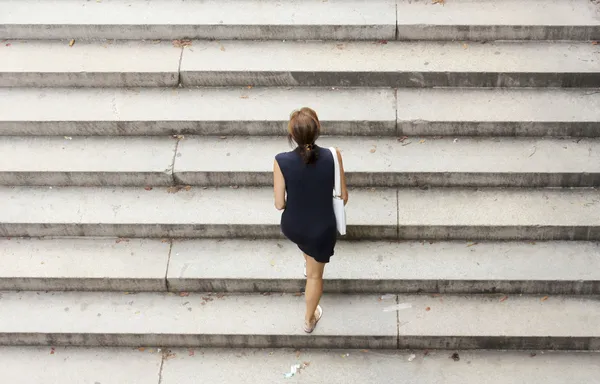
(307, 175)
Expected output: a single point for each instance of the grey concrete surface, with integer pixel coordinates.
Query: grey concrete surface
(99, 64)
(205, 111)
(75, 365)
(498, 20)
(275, 320)
(34, 365)
(394, 64)
(136, 212)
(499, 112)
(208, 320)
(163, 19)
(351, 366)
(387, 162)
(499, 322)
(72, 264)
(86, 161)
(389, 267)
(501, 214)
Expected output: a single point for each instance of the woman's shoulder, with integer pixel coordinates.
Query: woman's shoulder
(285, 156)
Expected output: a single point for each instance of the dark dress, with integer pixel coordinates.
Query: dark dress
(308, 219)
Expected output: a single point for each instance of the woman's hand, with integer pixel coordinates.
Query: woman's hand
(344, 195)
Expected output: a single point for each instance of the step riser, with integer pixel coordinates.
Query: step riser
(214, 32)
(290, 32)
(391, 79)
(389, 286)
(446, 179)
(277, 128)
(501, 128)
(259, 231)
(293, 286)
(130, 179)
(210, 179)
(178, 231)
(88, 79)
(83, 284)
(500, 343)
(303, 341)
(497, 32)
(192, 341)
(198, 128)
(312, 79)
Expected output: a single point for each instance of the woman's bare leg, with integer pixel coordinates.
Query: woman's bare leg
(314, 287)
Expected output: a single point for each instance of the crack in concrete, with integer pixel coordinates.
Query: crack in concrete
(160, 369)
(168, 264)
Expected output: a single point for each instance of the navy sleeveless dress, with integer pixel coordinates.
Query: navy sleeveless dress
(308, 219)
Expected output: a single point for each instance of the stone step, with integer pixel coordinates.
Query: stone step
(498, 112)
(413, 162)
(498, 20)
(214, 19)
(243, 161)
(89, 64)
(274, 321)
(299, 63)
(394, 64)
(74, 365)
(207, 111)
(306, 20)
(264, 111)
(55, 161)
(133, 265)
(490, 214)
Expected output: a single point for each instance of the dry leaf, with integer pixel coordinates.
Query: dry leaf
(455, 356)
(52, 350)
(243, 97)
(8, 44)
(141, 349)
(595, 43)
(422, 141)
(122, 240)
(184, 294)
(382, 42)
(298, 294)
(544, 298)
(373, 150)
(532, 354)
(181, 43)
(164, 241)
(188, 188)
(503, 299)
(297, 354)
(191, 352)
(428, 309)
(364, 350)
(443, 2)
(170, 355)
(249, 87)
(222, 48)
(402, 139)
(465, 46)
(339, 46)
(471, 244)
(72, 42)
(148, 188)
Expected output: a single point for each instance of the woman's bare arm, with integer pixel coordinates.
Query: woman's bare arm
(278, 187)
(342, 178)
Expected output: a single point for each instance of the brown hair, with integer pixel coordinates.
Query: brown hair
(304, 129)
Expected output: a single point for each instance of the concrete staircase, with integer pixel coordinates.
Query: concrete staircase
(136, 209)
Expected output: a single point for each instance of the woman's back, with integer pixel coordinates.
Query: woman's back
(308, 215)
